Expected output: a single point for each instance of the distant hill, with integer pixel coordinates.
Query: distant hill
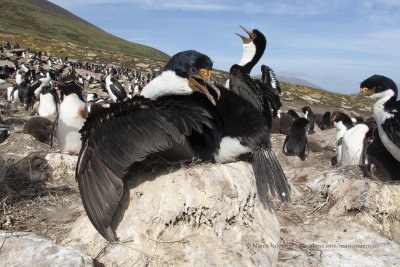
(45, 21)
(296, 80)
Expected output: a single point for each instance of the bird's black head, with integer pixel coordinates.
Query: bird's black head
(70, 87)
(265, 69)
(235, 69)
(301, 123)
(254, 36)
(197, 68)
(46, 89)
(307, 109)
(182, 62)
(377, 84)
(293, 113)
(337, 116)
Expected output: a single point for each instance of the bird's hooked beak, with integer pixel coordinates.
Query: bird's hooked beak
(199, 82)
(245, 39)
(365, 91)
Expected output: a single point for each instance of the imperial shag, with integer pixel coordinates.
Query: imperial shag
(179, 107)
(386, 111)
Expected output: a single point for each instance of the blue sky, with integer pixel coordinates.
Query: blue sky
(335, 44)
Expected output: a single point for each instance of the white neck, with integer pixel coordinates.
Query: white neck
(379, 106)
(249, 50)
(168, 83)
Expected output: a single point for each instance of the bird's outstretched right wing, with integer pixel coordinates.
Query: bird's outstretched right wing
(125, 133)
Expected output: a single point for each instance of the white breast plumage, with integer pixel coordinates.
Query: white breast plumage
(47, 105)
(71, 119)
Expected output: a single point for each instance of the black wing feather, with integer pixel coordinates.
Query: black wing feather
(259, 94)
(269, 176)
(114, 139)
(242, 84)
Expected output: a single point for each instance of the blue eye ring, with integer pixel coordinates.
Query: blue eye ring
(193, 70)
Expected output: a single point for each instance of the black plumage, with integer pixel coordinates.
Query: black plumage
(293, 113)
(341, 116)
(26, 94)
(325, 122)
(311, 119)
(259, 94)
(296, 143)
(380, 161)
(196, 121)
(268, 77)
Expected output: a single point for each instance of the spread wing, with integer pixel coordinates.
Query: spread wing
(127, 132)
(261, 95)
(242, 84)
(117, 89)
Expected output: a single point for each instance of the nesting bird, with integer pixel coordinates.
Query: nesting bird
(179, 107)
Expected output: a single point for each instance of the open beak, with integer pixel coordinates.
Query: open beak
(245, 39)
(199, 82)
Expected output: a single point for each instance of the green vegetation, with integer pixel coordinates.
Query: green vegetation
(44, 23)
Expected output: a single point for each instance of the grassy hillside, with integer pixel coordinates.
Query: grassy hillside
(316, 98)
(43, 21)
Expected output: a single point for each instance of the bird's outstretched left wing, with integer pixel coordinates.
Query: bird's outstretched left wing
(125, 133)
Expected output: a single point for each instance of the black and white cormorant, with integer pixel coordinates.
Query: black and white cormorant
(180, 107)
(114, 88)
(264, 96)
(386, 111)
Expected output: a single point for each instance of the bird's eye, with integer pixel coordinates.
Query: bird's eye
(254, 35)
(193, 70)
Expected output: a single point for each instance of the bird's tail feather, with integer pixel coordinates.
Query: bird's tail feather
(269, 176)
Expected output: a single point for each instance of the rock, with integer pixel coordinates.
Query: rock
(26, 249)
(335, 244)
(373, 205)
(62, 163)
(203, 215)
(8, 193)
